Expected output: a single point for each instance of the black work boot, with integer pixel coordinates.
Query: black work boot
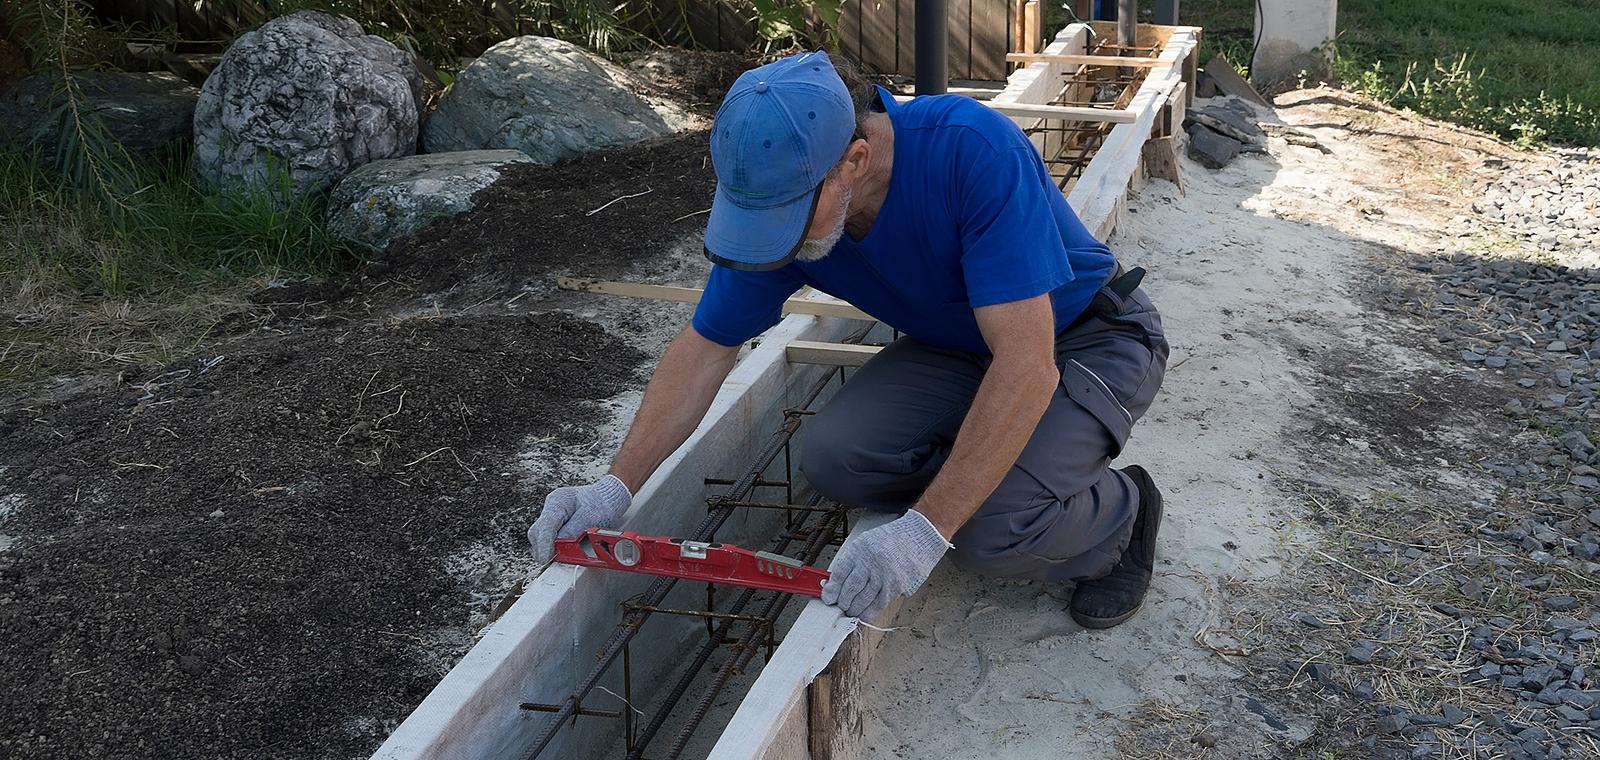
(1109, 600)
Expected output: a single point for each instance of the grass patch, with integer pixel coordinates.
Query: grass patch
(81, 286)
(1521, 69)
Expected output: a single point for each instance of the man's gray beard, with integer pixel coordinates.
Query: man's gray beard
(812, 250)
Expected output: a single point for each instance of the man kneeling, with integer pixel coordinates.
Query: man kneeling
(1027, 355)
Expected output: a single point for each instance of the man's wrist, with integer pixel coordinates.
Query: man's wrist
(944, 535)
(626, 480)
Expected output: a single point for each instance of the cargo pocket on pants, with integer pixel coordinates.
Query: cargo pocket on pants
(1086, 388)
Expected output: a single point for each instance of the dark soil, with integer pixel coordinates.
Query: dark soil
(536, 222)
(248, 554)
(246, 559)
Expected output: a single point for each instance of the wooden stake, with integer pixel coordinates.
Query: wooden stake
(1019, 27)
(1033, 28)
(1161, 160)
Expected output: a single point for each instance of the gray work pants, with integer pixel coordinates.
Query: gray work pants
(1060, 513)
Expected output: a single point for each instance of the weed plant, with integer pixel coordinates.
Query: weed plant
(86, 280)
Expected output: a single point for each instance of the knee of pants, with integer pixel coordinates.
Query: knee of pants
(823, 462)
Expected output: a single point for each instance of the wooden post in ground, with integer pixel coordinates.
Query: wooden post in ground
(1019, 27)
(1032, 31)
(1127, 24)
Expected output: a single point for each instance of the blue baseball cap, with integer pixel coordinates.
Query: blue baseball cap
(779, 131)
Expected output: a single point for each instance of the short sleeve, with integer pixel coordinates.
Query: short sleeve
(1011, 246)
(737, 305)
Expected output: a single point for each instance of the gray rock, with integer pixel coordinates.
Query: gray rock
(549, 99)
(1309, 620)
(1361, 652)
(1560, 603)
(1494, 362)
(1392, 724)
(150, 115)
(1211, 148)
(1534, 677)
(1577, 698)
(1241, 127)
(1576, 442)
(298, 103)
(386, 199)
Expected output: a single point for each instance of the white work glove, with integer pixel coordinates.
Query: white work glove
(888, 561)
(571, 510)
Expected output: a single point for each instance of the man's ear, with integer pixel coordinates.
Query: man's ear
(857, 157)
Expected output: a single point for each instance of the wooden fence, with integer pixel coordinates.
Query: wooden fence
(880, 34)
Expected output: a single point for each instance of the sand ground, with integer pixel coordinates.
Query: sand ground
(1259, 270)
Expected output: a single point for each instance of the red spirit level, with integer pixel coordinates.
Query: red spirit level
(690, 560)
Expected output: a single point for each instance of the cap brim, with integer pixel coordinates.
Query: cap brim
(757, 239)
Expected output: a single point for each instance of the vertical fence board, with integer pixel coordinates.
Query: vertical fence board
(991, 38)
(702, 23)
(958, 32)
(874, 44)
(906, 37)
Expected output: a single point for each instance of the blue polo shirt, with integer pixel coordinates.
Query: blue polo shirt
(972, 218)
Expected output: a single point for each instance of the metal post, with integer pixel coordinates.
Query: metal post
(1167, 12)
(1127, 18)
(932, 67)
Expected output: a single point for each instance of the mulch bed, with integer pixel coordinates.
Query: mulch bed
(259, 551)
(251, 559)
(532, 222)
(245, 559)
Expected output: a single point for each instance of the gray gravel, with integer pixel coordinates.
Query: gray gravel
(1529, 315)
(1556, 209)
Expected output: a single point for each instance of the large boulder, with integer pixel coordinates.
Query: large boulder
(386, 199)
(300, 102)
(549, 99)
(148, 114)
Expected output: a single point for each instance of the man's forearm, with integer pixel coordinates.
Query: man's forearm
(1010, 401)
(675, 400)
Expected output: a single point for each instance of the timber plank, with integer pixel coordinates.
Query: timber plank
(835, 354)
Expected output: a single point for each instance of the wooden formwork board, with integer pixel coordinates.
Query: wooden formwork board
(1101, 192)
(1097, 194)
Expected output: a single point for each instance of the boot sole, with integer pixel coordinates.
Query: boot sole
(1100, 623)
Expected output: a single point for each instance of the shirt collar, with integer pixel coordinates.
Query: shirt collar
(890, 105)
